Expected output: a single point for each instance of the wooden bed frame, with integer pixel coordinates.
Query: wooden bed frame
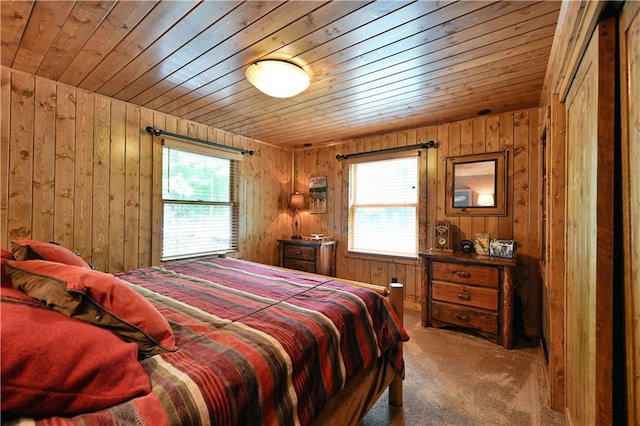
(352, 404)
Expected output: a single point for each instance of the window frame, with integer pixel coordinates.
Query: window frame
(232, 203)
(351, 206)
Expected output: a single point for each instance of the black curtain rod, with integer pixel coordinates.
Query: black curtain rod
(429, 144)
(158, 132)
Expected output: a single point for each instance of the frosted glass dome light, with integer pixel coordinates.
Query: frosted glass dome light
(277, 78)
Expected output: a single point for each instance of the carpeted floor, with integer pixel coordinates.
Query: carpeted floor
(454, 378)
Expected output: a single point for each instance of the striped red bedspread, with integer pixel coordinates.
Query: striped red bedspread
(258, 345)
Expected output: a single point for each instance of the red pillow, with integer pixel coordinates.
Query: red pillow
(5, 280)
(32, 249)
(95, 297)
(55, 365)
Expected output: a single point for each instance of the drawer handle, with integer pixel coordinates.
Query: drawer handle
(463, 274)
(462, 296)
(298, 252)
(461, 317)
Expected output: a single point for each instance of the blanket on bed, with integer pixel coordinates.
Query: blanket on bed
(257, 345)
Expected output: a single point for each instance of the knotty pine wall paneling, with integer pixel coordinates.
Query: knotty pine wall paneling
(516, 132)
(630, 70)
(65, 166)
(20, 171)
(43, 158)
(5, 137)
(79, 168)
(100, 235)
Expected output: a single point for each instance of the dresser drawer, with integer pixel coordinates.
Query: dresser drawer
(486, 276)
(465, 317)
(299, 252)
(479, 297)
(300, 265)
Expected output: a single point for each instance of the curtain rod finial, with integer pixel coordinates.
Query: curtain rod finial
(153, 131)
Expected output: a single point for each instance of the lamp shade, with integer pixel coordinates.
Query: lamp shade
(276, 78)
(486, 200)
(296, 201)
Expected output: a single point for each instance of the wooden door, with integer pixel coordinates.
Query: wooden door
(630, 91)
(555, 266)
(589, 236)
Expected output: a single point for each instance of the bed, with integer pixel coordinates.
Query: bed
(241, 344)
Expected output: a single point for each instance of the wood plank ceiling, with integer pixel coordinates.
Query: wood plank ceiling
(374, 66)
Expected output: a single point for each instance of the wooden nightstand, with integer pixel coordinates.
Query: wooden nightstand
(318, 257)
(470, 291)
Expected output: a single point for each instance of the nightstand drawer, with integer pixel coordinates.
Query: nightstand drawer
(300, 265)
(466, 295)
(318, 257)
(299, 252)
(485, 276)
(464, 317)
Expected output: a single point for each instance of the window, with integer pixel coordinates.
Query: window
(383, 207)
(198, 197)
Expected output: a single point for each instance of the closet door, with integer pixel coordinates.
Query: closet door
(589, 236)
(630, 91)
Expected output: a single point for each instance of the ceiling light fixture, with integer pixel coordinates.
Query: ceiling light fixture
(277, 78)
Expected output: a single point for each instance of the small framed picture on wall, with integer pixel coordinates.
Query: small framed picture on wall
(318, 194)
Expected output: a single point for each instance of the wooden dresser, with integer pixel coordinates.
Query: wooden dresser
(470, 291)
(318, 257)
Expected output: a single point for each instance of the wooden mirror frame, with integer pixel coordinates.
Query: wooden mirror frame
(500, 194)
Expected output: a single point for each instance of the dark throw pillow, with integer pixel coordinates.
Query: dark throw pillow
(95, 297)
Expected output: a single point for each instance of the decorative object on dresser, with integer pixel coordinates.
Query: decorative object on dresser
(318, 257)
(442, 236)
(502, 248)
(482, 244)
(296, 202)
(469, 291)
(317, 237)
(466, 245)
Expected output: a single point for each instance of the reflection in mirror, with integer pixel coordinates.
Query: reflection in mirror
(475, 184)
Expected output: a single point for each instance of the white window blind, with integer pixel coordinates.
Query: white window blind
(200, 212)
(383, 207)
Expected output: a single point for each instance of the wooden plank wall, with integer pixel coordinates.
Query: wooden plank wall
(516, 132)
(630, 69)
(80, 169)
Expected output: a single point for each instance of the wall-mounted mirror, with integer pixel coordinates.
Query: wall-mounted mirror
(475, 184)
